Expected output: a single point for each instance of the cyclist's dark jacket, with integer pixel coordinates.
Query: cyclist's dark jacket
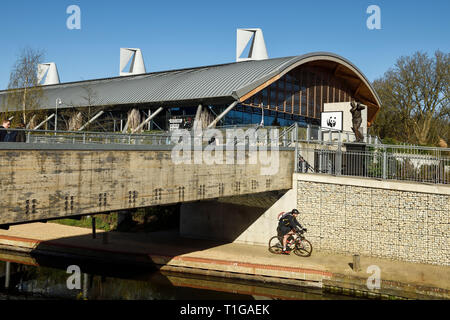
(287, 223)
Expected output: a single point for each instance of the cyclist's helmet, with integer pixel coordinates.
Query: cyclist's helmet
(295, 211)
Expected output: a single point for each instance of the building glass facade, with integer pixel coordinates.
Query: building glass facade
(244, 114)
(301, 92)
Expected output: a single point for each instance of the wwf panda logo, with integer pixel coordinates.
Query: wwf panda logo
(331, 122)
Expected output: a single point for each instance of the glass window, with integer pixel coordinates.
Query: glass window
(289, 78)
(296, 109)
(289, 97)
(265, 98)
(296, 102)
(229, 118)
(311, 101)
(273, 97)
(257, 99)
(324, 94)
(280, 100)
(336, 92)
(318, 96)
(304, 98)
(331, 92)
(247, 118)
(288, 86)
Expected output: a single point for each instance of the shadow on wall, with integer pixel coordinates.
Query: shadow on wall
(249, 219)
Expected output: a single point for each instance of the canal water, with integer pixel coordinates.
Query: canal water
(25, 277)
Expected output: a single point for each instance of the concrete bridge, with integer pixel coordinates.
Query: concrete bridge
(366, 215)
(49, 181)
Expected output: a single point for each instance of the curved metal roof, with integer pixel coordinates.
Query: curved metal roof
(229, 82)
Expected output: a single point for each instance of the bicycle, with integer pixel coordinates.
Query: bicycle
(296, 243)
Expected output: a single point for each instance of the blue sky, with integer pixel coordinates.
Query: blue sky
(178, 34)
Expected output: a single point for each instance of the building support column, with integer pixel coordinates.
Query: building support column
(92, 120)
(43, 122)
(154, 114)
(198, 115)
(7, 274)
(223, 114)
(94, 234)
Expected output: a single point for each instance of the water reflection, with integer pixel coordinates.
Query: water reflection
(37, 277)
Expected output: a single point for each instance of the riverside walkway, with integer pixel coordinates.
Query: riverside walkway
(170, 252)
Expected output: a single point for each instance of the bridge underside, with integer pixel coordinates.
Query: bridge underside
(63, 181)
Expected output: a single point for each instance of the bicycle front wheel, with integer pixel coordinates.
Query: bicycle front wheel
(275, 245)
(303, 248)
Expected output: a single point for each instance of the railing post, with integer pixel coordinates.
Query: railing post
(384, 163)
(308, 132)
(320, 154)
(338, 159)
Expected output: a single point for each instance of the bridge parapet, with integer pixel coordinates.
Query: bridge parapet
(42, 182)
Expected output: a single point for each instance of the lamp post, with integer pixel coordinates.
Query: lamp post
(58, 102)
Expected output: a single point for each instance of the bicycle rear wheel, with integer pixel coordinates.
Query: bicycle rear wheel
(275, 245)
(303, 248)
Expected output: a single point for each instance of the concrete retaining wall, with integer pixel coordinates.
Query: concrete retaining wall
(396, 220)
(387, 219)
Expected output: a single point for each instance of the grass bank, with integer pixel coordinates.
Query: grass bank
(140, 220)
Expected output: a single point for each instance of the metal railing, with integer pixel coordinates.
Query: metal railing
(242, 138)
(313, 133)
(86, 137)
(375, 160)
(387, 162)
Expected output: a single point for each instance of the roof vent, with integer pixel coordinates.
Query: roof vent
(257, 50)
(49, 72)
(137, 61)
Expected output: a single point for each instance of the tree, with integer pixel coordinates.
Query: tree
(415, 96)
(24, 91)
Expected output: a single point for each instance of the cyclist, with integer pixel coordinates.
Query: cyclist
(287, 226)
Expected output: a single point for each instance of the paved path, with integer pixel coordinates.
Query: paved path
(172, 251)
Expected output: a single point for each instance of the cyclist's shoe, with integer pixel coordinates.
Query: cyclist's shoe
(285, 251)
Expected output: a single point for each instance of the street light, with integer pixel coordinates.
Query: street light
(58, 102)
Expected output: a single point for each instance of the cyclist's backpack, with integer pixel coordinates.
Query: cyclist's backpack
(281, 214)
(282, 219)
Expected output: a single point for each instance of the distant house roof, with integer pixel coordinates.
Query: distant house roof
(225, 82)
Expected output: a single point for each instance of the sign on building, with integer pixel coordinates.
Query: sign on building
(332, 120)
(174, 124)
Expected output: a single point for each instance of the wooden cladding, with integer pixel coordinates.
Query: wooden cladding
(302, 92)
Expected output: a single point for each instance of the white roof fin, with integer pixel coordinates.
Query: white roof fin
(48, 74)
(257, 50)
(137, 63)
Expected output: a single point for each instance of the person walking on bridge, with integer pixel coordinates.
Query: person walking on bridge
(6, 124)
(20, 134)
